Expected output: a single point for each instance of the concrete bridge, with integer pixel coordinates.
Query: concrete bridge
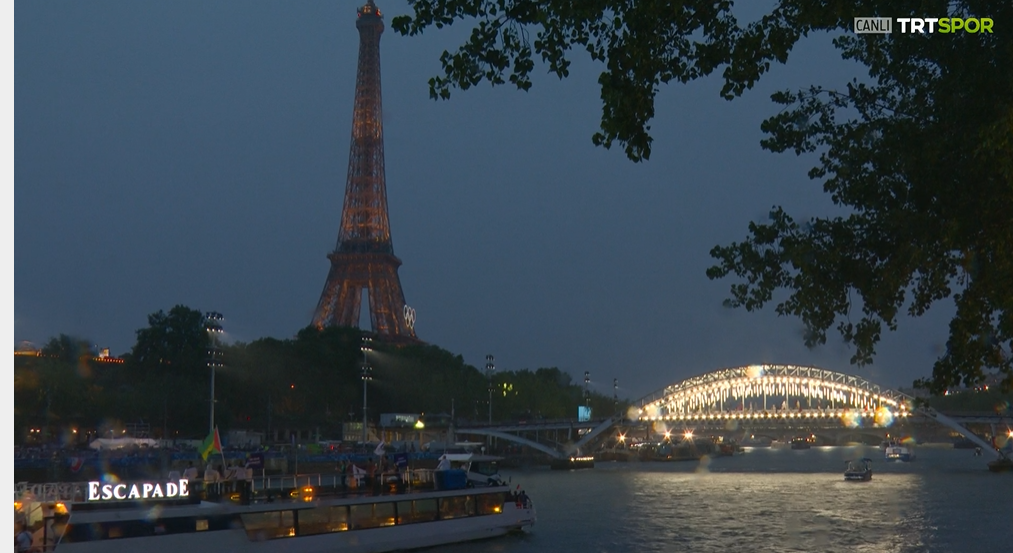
(765, 398)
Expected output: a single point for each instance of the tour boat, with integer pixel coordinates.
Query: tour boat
(802, 442)
(897, 452)
(859, 471)
(574, 462)
(304, 516)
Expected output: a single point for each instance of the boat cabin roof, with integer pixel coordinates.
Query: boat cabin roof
(470, 457)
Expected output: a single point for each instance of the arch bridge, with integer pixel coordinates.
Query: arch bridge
(755, 396)
(759, 393)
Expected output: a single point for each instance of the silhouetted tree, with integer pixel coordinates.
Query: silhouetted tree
(917, 149)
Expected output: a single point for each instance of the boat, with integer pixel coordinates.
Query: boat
(753, 441)
(897, 452)
(801, 443)
(859, 471)
(725, 450)
(1002, 464)
(480, 469)
(573, 463)
(305, 514)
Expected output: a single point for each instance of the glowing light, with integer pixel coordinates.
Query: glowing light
(688, 435)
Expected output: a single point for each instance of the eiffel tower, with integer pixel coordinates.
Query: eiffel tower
(364, 257)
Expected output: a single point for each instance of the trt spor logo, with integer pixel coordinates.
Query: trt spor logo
(923, 25)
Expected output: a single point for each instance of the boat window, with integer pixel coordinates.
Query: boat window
(75, 533)
(269, 525)
(485, 468)
(323, 520)
(419, 510)
(371, 515)
(490, 503)
(456, 507)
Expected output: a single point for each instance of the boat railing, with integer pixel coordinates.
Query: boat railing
(288, 482)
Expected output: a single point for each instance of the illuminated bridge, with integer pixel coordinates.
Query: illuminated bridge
(760, 394)
(784, 399)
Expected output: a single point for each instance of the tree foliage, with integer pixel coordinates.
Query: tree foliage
(175, 342)
(310, 382)
(918, 151)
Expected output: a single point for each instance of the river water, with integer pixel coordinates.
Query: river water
(768, 500)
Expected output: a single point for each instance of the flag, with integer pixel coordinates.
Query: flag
(379, 449)
(211, 444)
(76, 463)
(401, 460)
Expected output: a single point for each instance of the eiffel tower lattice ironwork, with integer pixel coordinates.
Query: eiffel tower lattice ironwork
(364, 257)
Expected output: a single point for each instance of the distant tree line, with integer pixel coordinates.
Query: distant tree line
(311, 381)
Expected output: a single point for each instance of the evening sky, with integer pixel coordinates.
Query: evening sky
(195, 153)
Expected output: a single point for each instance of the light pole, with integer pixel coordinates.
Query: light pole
(615, 396)
(212, 324)
(489, 368)
(367, 375)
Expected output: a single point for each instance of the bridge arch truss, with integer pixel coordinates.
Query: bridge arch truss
(758, 391)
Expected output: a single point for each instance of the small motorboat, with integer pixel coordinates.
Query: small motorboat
(859, 471)
(1002, 464)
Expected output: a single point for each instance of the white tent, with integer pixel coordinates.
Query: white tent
(120, 443)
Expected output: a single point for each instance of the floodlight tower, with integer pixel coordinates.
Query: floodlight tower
(213, 326)
(367, 375)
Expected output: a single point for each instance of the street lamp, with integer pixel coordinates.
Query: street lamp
(489, 368)
(213, 326)
(367, 375)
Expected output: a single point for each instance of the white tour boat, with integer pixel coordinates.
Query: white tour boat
(304, 516)
(897, 452)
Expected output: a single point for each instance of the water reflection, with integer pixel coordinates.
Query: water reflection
(768, 501)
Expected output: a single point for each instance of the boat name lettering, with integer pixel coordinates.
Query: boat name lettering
(97, 491)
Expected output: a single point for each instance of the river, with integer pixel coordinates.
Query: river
(768, 500)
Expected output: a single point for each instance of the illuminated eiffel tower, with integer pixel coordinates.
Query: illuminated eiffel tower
(364, 257)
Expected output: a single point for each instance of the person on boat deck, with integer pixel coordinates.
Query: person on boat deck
(191, 472)
(343, 471)
(23, 540)
(211, 475)
(444, 463)
(371, 479)
(235, 472)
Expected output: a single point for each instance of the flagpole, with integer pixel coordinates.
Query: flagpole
(221, 450)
